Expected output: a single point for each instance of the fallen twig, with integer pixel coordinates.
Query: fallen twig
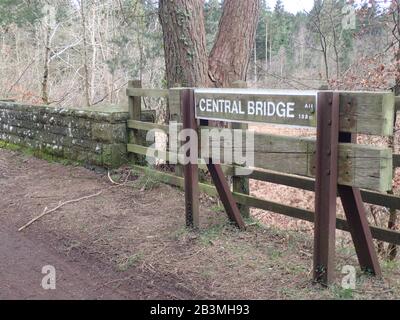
(111, 180)
(45, 212)
(116, 183)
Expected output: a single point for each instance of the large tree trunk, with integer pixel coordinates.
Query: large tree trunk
(230, 56)
(186, 57)
(184, 42)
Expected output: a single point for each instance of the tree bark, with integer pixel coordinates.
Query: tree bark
(230, 56)
(184, 42)
(186, 56)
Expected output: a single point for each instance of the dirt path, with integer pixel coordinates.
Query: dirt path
(27, 185)
(20, 272)
(130, 243)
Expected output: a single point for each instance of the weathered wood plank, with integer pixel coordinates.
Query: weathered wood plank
(362, 166)
(168, 156)
(360, 112)
(306, 183)
(359, 166)
(148, 116)
(151, 152)
(381, 234)
(385, 235)
(149, 93)
(147, 126)
(367, 112)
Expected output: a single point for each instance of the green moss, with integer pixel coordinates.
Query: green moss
(342, 294)
(212, 233)
(9, 146)
(114, 155)
(149, 178)
(217, 209)
(41, 154)
(148, 181)
(390, 266)
(254, 223)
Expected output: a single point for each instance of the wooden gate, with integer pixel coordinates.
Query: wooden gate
(332, 165)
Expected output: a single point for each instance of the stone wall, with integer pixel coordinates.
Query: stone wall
(96, 135)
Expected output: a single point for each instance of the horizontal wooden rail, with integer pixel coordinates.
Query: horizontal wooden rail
(158, 154)
(289, 180)
(147, 126)
(385, 235)
(308, 184)
(360, 166)
(147, 93)
(170, 156)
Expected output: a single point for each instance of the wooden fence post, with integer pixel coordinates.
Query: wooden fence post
(240, 183)
(135, 110)
(326, 186)
(392, 249)
(191, 170)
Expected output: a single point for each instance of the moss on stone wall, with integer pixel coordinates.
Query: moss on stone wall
(37, 153)
(96, 136)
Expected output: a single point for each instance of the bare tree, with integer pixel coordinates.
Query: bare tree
(317, 27)
(186, 57)
(86, 86)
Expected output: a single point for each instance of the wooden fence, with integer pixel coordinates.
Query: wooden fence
(362, 166)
